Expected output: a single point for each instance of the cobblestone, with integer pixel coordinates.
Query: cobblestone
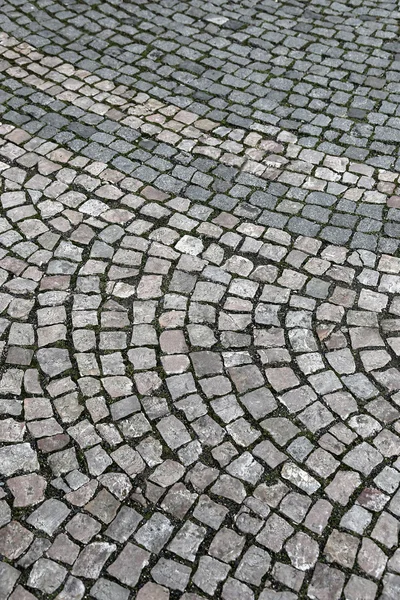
(199, 301)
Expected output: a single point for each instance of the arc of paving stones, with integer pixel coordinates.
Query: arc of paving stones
(191, 399)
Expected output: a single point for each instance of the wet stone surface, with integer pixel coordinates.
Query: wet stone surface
(199, 300)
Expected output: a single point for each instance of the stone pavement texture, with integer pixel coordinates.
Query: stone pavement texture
(200, 300)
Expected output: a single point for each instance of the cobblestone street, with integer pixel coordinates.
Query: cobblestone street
(199, 300)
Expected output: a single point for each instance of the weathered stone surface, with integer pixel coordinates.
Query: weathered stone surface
(47, 576)
(8, 578)
(199, 301)
(49, 516)
(20, 457)
(129, 564)
(327, 583)
(14, 540)
(91, 560)
(27, 489)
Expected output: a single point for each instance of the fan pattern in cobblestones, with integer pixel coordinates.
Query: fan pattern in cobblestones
(199, 305)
